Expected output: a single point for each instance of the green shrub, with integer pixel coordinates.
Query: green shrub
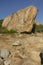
(39, 28)
(12, 31)
(1, 23)
(4, 30)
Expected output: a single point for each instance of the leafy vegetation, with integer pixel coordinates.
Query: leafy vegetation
(39, 28)
(12, 31)
(4, 30)
(1, 23)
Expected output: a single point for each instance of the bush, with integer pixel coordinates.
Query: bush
(39, 28)
(12, 31)
(4, 30)
(1, 23)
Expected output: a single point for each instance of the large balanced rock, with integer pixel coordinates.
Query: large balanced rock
(22, 20)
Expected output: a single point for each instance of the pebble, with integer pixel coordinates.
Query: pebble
(17, 43)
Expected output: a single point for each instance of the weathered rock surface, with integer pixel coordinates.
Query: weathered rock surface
(1, 62)
(22, 20)
(7, 62)
(28, 61)
(4, 53)
(28, 53)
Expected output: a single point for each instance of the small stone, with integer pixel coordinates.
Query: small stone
(22, 56)
(4, 53)
(17, 43)
(1, 62)
(18, 54)
(7, 62)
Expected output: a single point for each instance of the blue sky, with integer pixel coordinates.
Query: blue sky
(7, 7)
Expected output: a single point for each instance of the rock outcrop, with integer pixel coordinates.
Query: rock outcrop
(22, 20)
(25, 49)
